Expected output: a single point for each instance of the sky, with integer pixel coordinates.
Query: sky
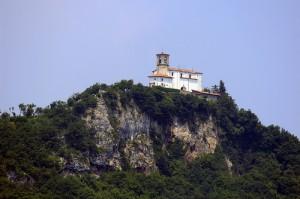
(51, 49)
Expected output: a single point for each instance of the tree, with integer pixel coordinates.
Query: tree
(222, 88)
(79, 108)
(124, 85)
(27, 109)
(5, 115)
(38, 110)
(30, 109)
(22, 108)
(215, 89)
(12, 111)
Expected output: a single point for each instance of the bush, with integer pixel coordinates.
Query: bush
(79, 137)
(79, 108)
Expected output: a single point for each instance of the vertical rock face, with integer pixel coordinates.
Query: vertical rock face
(106, 139)
(202, 140)
(133, 123)
(139, 153)
(129, 137)
(123, 138)
(134, 130)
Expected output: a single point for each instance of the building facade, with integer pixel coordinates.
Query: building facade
(173, 77)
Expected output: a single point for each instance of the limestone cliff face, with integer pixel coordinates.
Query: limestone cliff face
(202, 140)
(106, 137)
(123, 138)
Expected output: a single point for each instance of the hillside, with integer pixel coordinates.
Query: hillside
(131, 141)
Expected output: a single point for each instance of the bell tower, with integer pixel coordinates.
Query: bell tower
(162, 59)
(162, 63)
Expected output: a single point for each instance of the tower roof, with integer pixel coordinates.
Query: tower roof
(162, 53)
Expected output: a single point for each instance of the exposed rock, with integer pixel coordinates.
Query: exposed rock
(133, 127)
(133, 123)
(21, 179)
(107, 160)
(106, 139)
(76, 164)
(229, 165)
(134, 130)
(139, 153)
(123, 139)
(11, 176)
(202, 140)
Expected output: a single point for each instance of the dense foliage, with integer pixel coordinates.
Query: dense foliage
(266, 160)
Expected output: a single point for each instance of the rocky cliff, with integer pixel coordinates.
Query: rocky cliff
(123, 138)
(101, 142)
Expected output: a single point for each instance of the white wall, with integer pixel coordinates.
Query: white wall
(193, 83)
(160, 81)
(190, 84)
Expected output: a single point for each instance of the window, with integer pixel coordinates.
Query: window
(162, 79)
(181, 75)
(190, 76)
(172, 73)
(154, 78)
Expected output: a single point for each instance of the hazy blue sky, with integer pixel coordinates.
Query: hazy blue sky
(50, 49)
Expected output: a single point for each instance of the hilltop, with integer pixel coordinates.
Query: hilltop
(130, 141)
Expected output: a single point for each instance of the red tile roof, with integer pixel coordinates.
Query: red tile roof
(160, 75)
(188, 78)
(205, 93)
(184, 70)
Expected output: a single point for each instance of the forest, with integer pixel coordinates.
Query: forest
(265, 159)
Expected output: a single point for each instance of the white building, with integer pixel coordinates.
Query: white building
(172, 77)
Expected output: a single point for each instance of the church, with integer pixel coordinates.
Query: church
(172, 77)
(185, 80)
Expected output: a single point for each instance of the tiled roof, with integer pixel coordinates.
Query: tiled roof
(184, 70)
(205, 93)
(189, 78)
(160, 75)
